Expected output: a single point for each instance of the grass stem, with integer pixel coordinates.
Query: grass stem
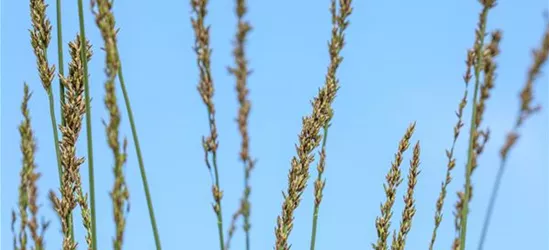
(139, 158)
(91, 176)
(319, 185)
(478, 66)
(60, 65)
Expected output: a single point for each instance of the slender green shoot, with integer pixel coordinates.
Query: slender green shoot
(478, 67)
(319, 184)
(526, 110)
(60, 65)
(139, 157)
(88, 122)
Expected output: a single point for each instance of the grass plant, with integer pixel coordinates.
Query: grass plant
(75, 102)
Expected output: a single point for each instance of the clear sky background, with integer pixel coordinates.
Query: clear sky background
(403, 62)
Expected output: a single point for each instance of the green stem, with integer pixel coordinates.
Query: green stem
(470, 151)
(491, 204)
(57, 152)
(139, 157)
(468, 172)
(55, 135)
(317, 206)
(247, 222)
(60, 59)
(83, 58)
(61, 67)
(220, 213)
(247, 202)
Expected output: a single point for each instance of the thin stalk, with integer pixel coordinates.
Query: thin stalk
(491, 204)
(139, 157)
(319, 179)
(526, 110)
(472, 131)
(88, 122)
(219, 214)
(470, 152)
(60, 66)
(55, 134)
(57, 152)
(206, 90)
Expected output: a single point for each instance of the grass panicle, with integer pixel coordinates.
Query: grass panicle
(106, 22)
(335, 45)
(28, 189)
(206, 91)
(74, 108)
(75, 99)
(104, 18)
(409, 203)
(40, 39)
(450, 153)
(394, 178)
(462, 206)
(480, 137)
(28, 147)
(526, 110)
(241, 73)
(310, 137)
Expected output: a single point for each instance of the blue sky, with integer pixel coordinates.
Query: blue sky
(403, 62)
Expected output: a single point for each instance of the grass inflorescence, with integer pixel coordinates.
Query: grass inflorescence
(450, 153)
(104, 19)
(28, 188)
(310, 137)
(241, 73)
(206, 91)
(393, 178)
(72, 193)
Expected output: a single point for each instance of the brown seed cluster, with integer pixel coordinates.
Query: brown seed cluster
(40, 40)
(74, 108)
(309, 139)
(393, 178)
